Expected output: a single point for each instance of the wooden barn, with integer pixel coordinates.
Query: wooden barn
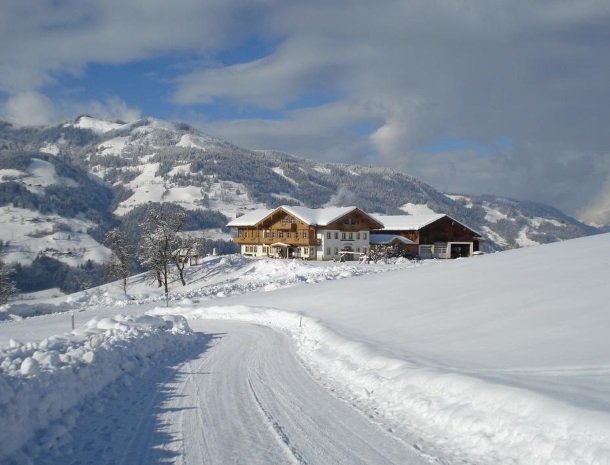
(430, 236)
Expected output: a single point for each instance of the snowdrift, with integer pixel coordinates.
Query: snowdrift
(41, 382)
(216, 277)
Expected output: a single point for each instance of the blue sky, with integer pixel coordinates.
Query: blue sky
(506, 97)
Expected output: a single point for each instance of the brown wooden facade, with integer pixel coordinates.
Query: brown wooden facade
(446, 234)
(285, 233)
(279, 226)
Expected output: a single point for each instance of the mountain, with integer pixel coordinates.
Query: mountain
(63, 186)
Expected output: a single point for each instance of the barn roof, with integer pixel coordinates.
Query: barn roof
(407, 222)
(414, 222)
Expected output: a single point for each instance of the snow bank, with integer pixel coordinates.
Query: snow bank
(41, 382)
(464, 416)
(216, 277)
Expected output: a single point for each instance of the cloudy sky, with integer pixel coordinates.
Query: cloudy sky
(510, 97)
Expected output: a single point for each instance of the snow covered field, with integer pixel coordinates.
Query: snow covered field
(499, 359)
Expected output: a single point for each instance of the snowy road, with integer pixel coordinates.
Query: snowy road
(240, 397)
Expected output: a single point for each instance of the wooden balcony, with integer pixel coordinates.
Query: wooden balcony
(292, 241)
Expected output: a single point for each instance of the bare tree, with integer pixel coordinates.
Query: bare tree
(119, 265)
(7, 286)
(187, 249)
(160, 240)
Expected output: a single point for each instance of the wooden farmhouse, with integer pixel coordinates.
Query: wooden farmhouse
(307, 233)
(348, 233)
(427, 236)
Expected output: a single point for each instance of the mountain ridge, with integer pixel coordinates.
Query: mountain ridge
(151, 160)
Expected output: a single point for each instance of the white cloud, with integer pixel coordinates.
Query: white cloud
(417, 70)
(598, 212)
(28, 108)
(111, 109)
(34, 108)
(299, 66)
(324, 133)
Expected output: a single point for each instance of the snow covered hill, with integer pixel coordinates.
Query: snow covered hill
(503, 358)
(51, 208)
(495, 359)
(155, 161)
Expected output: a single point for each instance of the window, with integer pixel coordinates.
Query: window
(364, 249)
(304, 234)
(357, 249)
(328, 251)
(311, 252)
(351, 236)
(343, 236)
(336, 250)
(280, 234)
(336, 235)
(328, 235)
(295, 235)
(358, 235)
(288, 220)
(363, 235)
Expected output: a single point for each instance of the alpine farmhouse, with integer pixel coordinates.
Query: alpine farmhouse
(348, 232)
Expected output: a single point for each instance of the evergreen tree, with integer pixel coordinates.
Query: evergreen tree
(7, 286)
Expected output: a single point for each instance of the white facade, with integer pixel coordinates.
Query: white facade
(306, 253)
(333, 242)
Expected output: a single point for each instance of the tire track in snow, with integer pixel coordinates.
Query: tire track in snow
(282, 436)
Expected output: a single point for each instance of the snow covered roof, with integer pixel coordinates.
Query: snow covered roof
(311, 216)
(383, 239)
(250, 218)
(414, 222)
(318, 216)
(407, 222)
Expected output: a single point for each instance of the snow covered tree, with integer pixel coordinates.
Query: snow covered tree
(119, 265)
(160, 240)
(7, 286)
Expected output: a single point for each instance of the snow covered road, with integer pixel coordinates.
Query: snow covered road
(256, 404)
(241, 398)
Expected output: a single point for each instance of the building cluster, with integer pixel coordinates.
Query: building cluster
(349, 233)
